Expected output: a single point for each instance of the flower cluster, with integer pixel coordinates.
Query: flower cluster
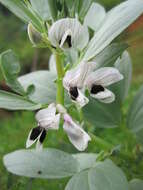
(69, 35)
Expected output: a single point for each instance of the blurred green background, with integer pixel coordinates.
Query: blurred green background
(14, 126)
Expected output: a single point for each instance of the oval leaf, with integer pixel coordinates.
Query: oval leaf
(102, 115)
(12, 101)
(117, 20)
(124, 65)
(136, 184)
(105, 175)
(135, 115)
(43, 82)
(85, 160)
(48, 163)
(10, 67)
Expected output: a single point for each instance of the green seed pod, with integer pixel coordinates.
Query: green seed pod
(34, 36)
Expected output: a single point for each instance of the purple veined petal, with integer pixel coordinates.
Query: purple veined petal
(77, 136)
(68, 33)
(105, 96)
(95, 16)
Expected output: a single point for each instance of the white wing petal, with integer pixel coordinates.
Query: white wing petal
(105, 96)
(77, 136)
(104, 76)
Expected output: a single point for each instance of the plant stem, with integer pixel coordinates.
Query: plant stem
(102, 143)
(60, 74)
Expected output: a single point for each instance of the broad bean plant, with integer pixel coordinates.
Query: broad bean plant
(82, 94)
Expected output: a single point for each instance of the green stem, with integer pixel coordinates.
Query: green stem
(101, 143)
(60, 74)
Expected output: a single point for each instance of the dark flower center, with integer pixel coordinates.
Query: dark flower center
(35, 133)
(96, 89)
(73, 92)
(43, 136)
(67, 41)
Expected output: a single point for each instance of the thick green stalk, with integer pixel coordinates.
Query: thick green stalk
(60, 75)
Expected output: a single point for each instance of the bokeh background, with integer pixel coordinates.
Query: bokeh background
(14, 126)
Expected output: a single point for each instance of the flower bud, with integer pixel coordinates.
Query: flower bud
(34, 36)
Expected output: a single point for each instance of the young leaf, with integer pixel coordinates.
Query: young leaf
(10, 67)
(109, 55)
(83, 8)
(19, 8)
(44, 8)
(117, 20)
(97, 12)
(105, 175)
(136, 184)
(44, 84)
(12, 101)
(48, 163)
(124, 65)
(102, 115)
(135, 115)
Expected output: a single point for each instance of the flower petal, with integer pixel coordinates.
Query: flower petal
(95, 16)
(68, 30)
(117, 20)
(105, 96)
(33, 136)
(41, 138)
(47, 118)
(104, 76)
(77, 136)
(76, 76)
(81, 99)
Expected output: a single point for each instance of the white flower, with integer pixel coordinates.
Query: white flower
(97, 82)
(74, 79)
(47, 119)
(77, 136)
(83, 77)
(68, 33)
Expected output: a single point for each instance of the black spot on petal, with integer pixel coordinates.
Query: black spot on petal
(35, 133)
(68, 40)
(96, 89)
(43, 136)
(73, 92)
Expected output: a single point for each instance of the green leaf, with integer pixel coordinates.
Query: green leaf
(135, 115)
(136, 184)
(83, 8)
(10, 67)
(12, 101)
(85, 160)
(44, 84)
(117, 20)
(19, 8)
(44, 8)
(48, 163)
(124, 65)
(104, 176)
(102, 115)
(109, 55)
